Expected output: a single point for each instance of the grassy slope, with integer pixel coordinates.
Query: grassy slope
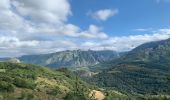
(19, 81)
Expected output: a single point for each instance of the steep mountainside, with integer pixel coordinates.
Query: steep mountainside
(144, 70)
(151, 52)
(75, 58)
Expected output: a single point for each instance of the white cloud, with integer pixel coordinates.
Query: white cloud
(5, 4)
(127, 43)
(12, 46)
(44, 11)
(30, 18)
(13, 42)
(143, 29)
(103, 14)
(94, 32)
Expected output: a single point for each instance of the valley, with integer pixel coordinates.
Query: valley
(84, 50)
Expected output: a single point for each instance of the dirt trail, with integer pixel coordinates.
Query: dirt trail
(98, 95)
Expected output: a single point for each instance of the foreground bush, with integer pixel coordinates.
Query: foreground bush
(24, 83)
(6, 87)
(76, 96)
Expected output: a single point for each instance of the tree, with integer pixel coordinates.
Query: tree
(80, 92)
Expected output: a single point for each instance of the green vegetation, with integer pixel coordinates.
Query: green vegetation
(142, 71)
(24, 83)
(6, 87)
(31, 82)
(80, 92)
(132, 79)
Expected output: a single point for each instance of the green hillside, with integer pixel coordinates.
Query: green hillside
(157, 52)
(142, 71)
(31, 82)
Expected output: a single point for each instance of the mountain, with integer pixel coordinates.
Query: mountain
(75, 58)
(151, 52)
(142, 71)
(20, 81)
(4, 59)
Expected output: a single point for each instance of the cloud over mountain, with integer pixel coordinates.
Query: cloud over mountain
(41, 26)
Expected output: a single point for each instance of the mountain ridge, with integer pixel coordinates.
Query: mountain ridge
(74, 58)
(144, 70)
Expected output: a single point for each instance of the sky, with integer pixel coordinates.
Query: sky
(46, 26)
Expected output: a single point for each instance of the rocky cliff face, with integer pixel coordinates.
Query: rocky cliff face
(75, 58)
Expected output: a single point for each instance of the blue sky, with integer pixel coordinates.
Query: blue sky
(46, 26)
(133, 14)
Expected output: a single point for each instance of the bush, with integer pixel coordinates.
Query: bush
(6, 87)
(54, 91)
(27, 96)
(24, 83)
(76, 96)
(6, 78)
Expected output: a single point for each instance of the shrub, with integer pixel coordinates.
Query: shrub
(6, 87)
(24, 83)
(27, 96)
(6, 78)
(54, 91)
(76, 96)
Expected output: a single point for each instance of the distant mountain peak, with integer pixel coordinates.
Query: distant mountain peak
(71, 58)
